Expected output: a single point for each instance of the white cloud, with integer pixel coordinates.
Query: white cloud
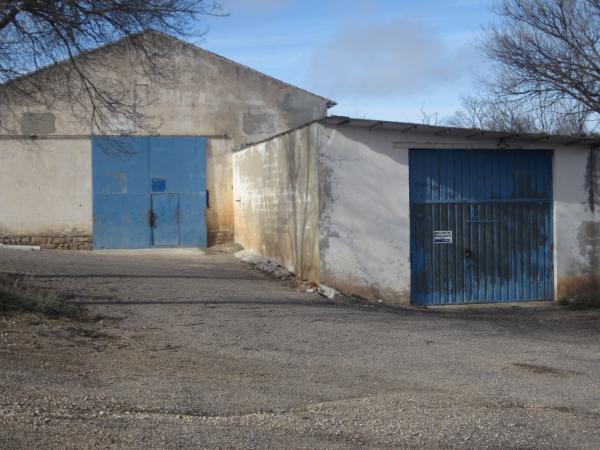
(382, 59)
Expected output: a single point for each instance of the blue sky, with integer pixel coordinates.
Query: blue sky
(381, 59)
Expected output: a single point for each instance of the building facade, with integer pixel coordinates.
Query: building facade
(62, 184)
(414, 214)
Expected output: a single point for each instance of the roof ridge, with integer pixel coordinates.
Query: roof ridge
(330, 103)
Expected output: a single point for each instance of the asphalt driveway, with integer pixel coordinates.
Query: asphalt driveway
(202, 350)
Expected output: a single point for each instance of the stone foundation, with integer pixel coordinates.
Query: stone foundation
(56, 241)
(219, 237)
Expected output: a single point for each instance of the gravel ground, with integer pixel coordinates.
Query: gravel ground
(196, 349)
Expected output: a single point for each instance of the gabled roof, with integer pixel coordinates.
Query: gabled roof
(468, 133)
(330, 103)
(150, 32)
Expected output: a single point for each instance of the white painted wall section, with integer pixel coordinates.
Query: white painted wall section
(365, 228)
(576, 223)
(276, 192)
(46, 186)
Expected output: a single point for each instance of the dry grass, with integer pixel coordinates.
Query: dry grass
(17, 296)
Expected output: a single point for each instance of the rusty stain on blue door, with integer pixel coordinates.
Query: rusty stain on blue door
(481, 226)
(149, 191)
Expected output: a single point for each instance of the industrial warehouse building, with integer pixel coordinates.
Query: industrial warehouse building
(400, 212)
(62, 186)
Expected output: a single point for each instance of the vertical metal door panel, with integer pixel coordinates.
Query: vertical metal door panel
(165, 228)
(192, 231)
(178, 166)
(120, 221)
(498, 206)
(120, 192)
(120, 165)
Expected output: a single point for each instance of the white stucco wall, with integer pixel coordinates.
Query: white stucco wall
(576, 225)
(276, 198)
(364, 204)
(365, 228)
(46, 187)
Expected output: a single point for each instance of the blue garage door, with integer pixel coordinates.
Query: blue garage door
(481, 226)
(149, 191)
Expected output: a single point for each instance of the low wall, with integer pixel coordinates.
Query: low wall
(276, 200)
(54, 241)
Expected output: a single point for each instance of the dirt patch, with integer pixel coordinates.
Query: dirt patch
(18, 295)
(208, 352)
(545, 370)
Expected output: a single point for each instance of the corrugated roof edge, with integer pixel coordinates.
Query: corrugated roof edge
(330, 103)
(408, 127)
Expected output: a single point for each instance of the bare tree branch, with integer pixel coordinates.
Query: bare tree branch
(547, 51)
(36, 34)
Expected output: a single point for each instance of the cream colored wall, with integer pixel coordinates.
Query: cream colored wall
(364, 219)
(219, 184)
(46, 187)
(576, 222)
(276, 200)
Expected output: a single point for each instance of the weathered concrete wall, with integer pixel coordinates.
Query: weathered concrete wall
(219, 184)
(365, 239)
(54, 241)
(196, 93)
(364, 219)
(276, 193)
(45, 188)
(577, 223)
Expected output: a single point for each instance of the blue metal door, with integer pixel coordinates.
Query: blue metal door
(165, 220)
(481, 226)
(149, 191)
(177, 166)
(120, 186)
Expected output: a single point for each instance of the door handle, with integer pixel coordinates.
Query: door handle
(467, 253)
(151, 218)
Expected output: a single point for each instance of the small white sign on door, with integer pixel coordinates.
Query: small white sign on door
(442, 237)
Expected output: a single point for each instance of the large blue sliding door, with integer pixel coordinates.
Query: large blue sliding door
(481, 226)
(149, 191)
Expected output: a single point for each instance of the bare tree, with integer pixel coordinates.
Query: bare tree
(547, 55)
(496, 113)
(430, 118)
(59, 34)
